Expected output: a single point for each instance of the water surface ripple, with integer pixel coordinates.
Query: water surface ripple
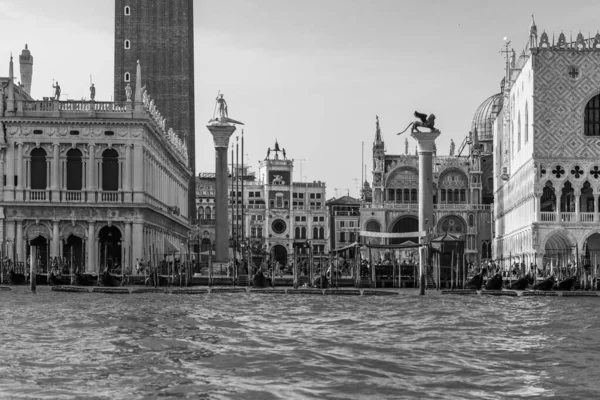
(261, 346)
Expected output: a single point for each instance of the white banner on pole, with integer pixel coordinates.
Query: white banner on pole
(392, 235)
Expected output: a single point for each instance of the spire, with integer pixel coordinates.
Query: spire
(10, 106)
(378, 138)
(138, 83)
(533, 33)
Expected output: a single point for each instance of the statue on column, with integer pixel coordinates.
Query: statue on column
(92, 92)
(221, 113)
(424, 121)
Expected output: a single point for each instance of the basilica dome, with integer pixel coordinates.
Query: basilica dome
(484, 117)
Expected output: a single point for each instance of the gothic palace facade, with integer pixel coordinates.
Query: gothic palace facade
(547, 153)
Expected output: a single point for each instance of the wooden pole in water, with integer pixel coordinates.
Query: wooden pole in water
(294, 271)
(452, 271)
(33, 260)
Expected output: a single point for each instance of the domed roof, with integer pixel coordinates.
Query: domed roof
(485, 115)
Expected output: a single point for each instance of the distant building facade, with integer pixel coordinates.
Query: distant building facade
(344, 222)
(101, 183)
(462, 205)
(278, 214)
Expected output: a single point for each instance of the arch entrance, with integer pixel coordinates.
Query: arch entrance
(73, 252)
(280, 253)
(591, 250)
(42, 249)
(110, 247)
(558, 253)
(405, 225)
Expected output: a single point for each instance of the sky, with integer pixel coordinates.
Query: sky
(311, 74)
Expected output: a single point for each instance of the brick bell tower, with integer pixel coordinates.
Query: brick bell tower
(160, 34)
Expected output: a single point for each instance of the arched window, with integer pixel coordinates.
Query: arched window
(591, 117)
(200, 212)
(297, 232)
(127, 10)
(110, 170)
(127, 77)
(127, 44)
(413, 196)
(519, 132)
(321, 233)
(471, 220)
(548, 198)
(38, 169)
(74, 170)
(315, 232)
(208, 212)
(526, 127)
(303, 232)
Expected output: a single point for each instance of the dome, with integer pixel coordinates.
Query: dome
(485, 115)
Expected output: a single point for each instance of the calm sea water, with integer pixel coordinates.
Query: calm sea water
(261, 346)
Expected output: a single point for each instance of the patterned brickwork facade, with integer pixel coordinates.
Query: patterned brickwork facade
(546, 204)
(160, 34)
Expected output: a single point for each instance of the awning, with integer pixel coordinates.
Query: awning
(170, 247)
(350, 246)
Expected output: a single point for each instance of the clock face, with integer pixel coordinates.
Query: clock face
(278, 226)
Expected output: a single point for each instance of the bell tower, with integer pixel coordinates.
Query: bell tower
(26, 69)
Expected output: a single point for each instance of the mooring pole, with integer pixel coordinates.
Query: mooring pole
(32, 261)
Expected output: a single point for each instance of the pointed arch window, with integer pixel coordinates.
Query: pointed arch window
(519, 132)
(591, 117)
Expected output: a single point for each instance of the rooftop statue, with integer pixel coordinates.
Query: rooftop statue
(424, 121)
(452, 147)
(221, 113)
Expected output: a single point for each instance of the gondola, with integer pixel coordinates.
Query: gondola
(317, 282)
(259, 280)
(475, 282)
(57, 280)
(495, 283)
(81, 280)
(521, 283)
(546, 284)
(14, 278)
(106, 279)
(566, 284)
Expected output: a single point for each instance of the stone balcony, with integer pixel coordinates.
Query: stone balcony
(568, 217)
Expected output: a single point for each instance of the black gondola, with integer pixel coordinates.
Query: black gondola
(106, 279)
(475, 282)
(521, 283)
(259, 280)
(317, 282)
(14, 278)
(495, 283)
(546, 284)
(81, 280)
(57, 280)
(567, 284)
